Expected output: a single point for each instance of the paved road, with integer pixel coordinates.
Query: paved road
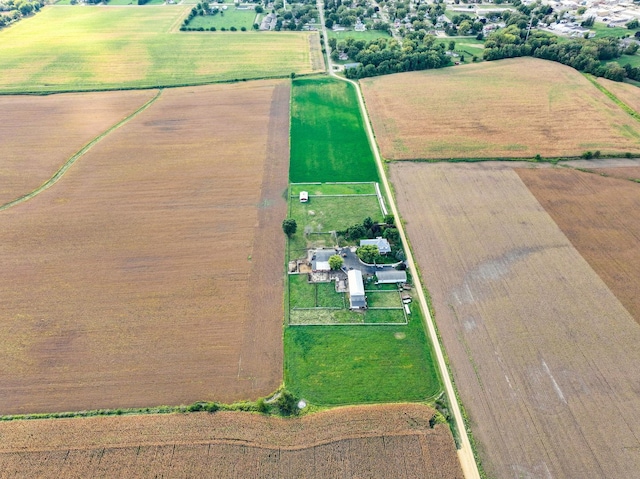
(465, 453)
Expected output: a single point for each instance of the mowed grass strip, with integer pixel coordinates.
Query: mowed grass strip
(331, 365)
(510, 108)
(328, 140)
(82, 48)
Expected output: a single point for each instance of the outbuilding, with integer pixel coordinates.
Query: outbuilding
(304, 196)
(391, 276)
(357, 299)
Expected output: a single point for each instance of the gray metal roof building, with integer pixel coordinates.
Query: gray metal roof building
(391, 276)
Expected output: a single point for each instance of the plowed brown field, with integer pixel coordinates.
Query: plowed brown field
(393, 441)
(38, 134)
(601, 218)
(511, 108)
(545, 357)
(152, 272)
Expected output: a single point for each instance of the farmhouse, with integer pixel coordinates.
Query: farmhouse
(381, 243)
(390, 276)
(356, 290)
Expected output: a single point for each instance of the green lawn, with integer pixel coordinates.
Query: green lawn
(603, 31)
(366, 35)
(226, 19)
(84, 48)
(331, 365)
(328, 139)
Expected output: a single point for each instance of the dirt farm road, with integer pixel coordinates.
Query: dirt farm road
(465, 453)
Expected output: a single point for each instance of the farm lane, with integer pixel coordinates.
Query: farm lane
(465, 452)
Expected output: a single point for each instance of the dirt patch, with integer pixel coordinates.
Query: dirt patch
(38, 134)
(133, 281)
(393, 441)
(451, 113)
(601, 217)
(538, 344)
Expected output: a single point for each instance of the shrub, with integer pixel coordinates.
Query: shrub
(233, 29)
(243, 29)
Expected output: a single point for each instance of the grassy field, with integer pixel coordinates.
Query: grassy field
(603, 31)
(328, 140)
(366, 35)
(332, 365)
(230, 18)
(544, 108)
(82, 48)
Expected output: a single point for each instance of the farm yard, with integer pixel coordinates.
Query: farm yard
(40, 133)
(122, 285)
(394, 441)
(78, 48)
(600, 217)
(536, 340)
(544, 110)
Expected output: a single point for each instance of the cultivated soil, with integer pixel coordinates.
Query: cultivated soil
(38, 134)
(544, 355)
(152, 272)
(393, 441)
(544, 108)
(601, 217)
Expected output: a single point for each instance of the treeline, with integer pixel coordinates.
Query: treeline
(586, 55)
(13, 10)
(383, 56)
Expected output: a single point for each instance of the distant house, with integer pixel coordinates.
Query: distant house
(304, 196)
(391, 276)
(359, 26)
(381, 243)
(357, 299)
(351, 65)
(320, 259)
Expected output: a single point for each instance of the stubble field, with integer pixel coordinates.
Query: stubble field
(393, 441)
(85, 48)
(601, 218)
(40, 133)
(545, 108)
(543, 354)
(625, 92)
(152, 272)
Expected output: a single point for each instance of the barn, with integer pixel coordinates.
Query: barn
(357, 299)
(391, 276)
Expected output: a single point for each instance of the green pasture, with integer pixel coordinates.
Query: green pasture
(225, 19)
(328, 139)
(602, 30)
(87, 48)
(332, 365)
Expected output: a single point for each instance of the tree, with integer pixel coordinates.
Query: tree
(633, 24)
(259, 9)
(287, 403)
(335, 262)
(391, 235)
(368, 253)
(289, 226)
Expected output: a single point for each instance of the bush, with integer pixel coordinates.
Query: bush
(587, 155)
(287, 403)
(233, 29)
(289, 227)
(243, 29)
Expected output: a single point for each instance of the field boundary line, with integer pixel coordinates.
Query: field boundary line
(71, 161)
(613, 97)
(465, 453)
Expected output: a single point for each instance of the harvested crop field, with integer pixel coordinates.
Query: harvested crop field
(504, 109)
(151, 273)
(628, 94)
(543, 354)
(38, 134)
(601, 218)
(393, 441)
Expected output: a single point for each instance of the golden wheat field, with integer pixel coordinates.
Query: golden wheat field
(390, 441)
(151, 273)
(544, 355)
(506, 109)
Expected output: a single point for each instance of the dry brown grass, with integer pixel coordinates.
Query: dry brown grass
(393, 441)
(38, 134)
(152, 272)
(625, 92)
(511, 108)
(601, 218)
(544, 355)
